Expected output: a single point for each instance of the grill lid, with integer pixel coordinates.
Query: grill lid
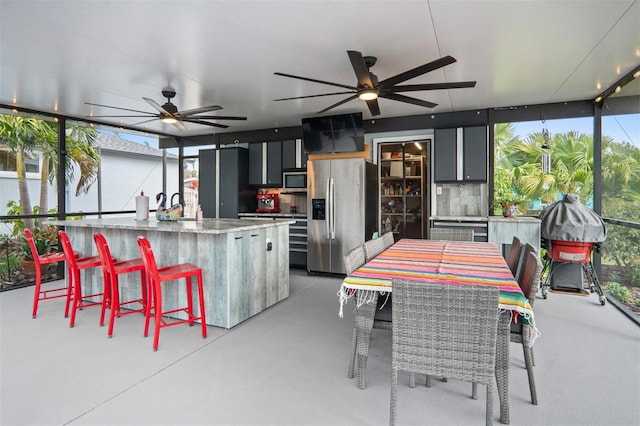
(570, 220)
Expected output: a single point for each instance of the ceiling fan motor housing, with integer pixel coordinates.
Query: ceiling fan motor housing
(168, 93)
(170, 108)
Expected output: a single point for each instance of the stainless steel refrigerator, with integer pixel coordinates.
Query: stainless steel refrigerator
(342, 202)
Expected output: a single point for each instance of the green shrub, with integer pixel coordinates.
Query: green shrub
(619, 291)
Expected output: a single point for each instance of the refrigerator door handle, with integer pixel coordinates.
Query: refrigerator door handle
(332, 208)
(328, 212)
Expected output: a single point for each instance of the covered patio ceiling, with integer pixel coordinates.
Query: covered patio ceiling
(56, 56)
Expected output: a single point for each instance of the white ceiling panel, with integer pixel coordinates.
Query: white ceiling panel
(58, 55)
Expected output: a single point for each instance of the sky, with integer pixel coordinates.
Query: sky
(621, 128)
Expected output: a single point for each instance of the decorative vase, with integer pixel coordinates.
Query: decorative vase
(509, 210)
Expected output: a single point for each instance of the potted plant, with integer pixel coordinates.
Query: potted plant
(46, 241)
(511, 204)
(506, 199)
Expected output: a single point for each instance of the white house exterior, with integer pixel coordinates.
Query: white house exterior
(126, 169)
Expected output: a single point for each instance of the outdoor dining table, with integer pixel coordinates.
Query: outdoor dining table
(445, 262)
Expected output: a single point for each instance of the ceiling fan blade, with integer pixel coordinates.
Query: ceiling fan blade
(179, 125)
(313, 96)
(373, 107)
(157, 106)
(204, 123)
(145, 121)
(216, 117)
(150, 114)
(415, 72)
(409, 100)
(313, 80)
(188, 112)
(350, 98)
(433, 86)
(123, 109)
(360, 68)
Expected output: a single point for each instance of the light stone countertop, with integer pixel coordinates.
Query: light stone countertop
(275, 215)
(531, 219)
(461, 218)
(207, 226)
(486, 218)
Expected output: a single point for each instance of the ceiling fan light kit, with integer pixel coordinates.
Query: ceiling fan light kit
(369, 89)
(169, 113)
(368, 95)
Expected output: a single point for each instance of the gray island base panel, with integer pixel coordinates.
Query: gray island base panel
(245, 263)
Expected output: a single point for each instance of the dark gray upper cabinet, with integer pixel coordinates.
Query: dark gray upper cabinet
(288, 154)
(265, 164)
(460, 154)
(255, 164)
(444, 155)
(474, 159)
(274, 164)
(268, 159)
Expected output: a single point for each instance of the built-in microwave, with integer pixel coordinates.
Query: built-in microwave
(294, 181)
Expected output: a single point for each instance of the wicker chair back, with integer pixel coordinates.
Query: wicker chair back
(436, 327)
(451, 234)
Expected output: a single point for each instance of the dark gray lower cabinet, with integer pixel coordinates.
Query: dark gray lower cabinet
(224, 183)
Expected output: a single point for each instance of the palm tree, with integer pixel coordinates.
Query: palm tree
(26, 135)
(571, 166)
(620, 171)
(80, 147)
(21, 136)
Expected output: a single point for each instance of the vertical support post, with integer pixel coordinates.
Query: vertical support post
(597, 174)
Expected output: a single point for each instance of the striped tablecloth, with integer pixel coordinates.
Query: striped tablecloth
(448, 262)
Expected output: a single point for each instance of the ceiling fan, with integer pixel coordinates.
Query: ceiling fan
(170, 114)
(369, 89)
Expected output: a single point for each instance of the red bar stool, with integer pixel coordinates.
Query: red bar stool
(45, 259)
(74, 265)
(155, 277)
(110, 271)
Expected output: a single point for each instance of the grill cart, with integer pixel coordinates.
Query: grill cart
(570, 232)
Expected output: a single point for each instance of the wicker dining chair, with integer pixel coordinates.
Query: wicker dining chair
(388, 239)
(521, 333)
(451, 234)
(515, 254)
(381, 319)
(373, 247)
(352, 261)
(437, 326)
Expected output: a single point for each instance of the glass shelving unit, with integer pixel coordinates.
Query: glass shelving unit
(402, 172)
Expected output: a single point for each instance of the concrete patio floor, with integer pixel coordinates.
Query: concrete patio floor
(288, 366)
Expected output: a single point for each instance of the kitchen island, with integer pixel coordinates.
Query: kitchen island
(245, 263)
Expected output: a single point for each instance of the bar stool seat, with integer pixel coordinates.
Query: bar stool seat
(110, 270)
(74, 266)
(156, 276)
(45, 259)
